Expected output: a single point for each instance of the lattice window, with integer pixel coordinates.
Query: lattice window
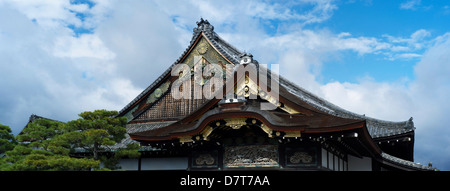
(169, 108)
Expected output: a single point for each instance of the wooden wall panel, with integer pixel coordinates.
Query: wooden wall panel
(169, 108)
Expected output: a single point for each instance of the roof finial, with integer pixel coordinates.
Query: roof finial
(203, 26)
(201, 21)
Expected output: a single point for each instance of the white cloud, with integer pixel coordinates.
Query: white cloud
(144, 40)
(235, 11)
(418, 40)
(408, 55)
(431, 92)
(87, 45)
(49, 13)
(47, 71)
(388, 101)
(325, 41)
(410, 5)
(322, 10)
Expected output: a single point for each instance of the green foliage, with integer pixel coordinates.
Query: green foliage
(7, 141)
(48, 161)
(97, 130)
(111, 162)
(68, 163)
(129, 152)
(53, 145)
(40, 130)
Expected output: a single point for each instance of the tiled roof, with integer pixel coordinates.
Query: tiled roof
(376, 127)
(32, 118)
(139, 127)
(406, 163)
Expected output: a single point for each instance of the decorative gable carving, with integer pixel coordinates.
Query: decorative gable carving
(160, 103)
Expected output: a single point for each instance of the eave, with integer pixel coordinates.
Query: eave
(180, 129)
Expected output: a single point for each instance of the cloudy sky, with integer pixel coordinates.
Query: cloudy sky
(386, 59)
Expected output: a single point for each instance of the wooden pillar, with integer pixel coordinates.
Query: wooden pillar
(139, 163)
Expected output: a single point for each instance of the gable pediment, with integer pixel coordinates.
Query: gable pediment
(158, 103)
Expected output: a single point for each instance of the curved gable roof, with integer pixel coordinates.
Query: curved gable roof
(376, 127)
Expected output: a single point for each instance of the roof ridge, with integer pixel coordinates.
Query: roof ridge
(406, 162)
(202, 26)
(34, 117)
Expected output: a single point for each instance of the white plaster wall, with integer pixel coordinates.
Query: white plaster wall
(129, 164)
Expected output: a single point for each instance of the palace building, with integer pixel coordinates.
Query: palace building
(217, 108)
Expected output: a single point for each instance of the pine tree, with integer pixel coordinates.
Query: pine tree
(7, 141)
